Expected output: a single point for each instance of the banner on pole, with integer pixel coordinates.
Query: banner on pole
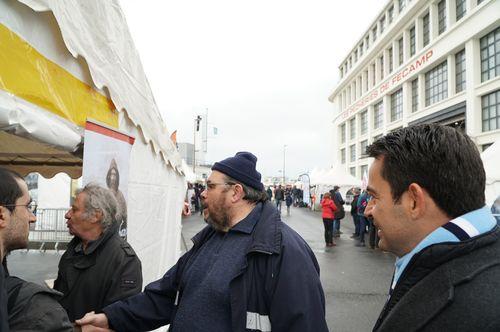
(306, 198)
(106, 155)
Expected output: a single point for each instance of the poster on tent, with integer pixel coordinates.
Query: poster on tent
(306, 197)
(106, 155)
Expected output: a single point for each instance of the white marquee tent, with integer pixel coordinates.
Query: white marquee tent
(63, 62)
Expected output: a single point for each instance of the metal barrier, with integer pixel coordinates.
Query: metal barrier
(50, 227)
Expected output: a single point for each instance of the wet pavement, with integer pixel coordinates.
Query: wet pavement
(355, 279)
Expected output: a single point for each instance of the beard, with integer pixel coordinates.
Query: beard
(217, 216)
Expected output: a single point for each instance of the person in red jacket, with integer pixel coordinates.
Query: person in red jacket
(328, 208)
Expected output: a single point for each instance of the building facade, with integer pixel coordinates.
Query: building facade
(420, 62)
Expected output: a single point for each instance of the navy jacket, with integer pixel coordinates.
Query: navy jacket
(278, 288)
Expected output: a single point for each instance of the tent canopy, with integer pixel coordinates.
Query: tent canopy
(491, 163)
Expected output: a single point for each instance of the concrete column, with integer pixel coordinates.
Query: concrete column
(421, 91)
(370, 121)
(433, 21)
(472, 79)
(419, 35)
(452, 11)
(387, 112)
(406, 45)
(406, 101)
(451, 75)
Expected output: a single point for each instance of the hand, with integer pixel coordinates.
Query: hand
(93, 322)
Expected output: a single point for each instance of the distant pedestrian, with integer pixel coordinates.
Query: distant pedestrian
(363, 221)
(340, 213)
(269, 193)
(328, 209)
(354, 213)
(279, 196)
(288, 201)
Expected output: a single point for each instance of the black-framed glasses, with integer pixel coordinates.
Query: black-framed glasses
(212, 185)
(31, 206)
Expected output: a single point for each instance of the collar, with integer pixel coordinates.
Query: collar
(247, 224)
(93, 245)
(462, 228)
(266, 234)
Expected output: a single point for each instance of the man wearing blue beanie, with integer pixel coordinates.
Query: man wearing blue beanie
(247, 270)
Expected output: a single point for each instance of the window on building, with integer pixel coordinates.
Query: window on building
(354, 90)
(367, 42)
(390, 14)
(352, 128)
(441, 16)
(397, 105)
(341, 72)
(378, 115)
(350, 62)
(491, 111)
(352, 153)
(490, 55)
(479, 1)
(362, 148)
(355, 56)
(363, 170)
(461, 8)
(413, 44)
(391, 60)
(374, 33)
(426, 30)
(342, 156)
(381, 66)
(436, 84)
(342, 133)
(402, 5)
(361, 49)
(352, 170)
(414, 95)
(382, 24)
(400, 51)
(460, 71)
(363, 121)
(377, 137)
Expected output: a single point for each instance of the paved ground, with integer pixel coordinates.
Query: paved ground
(355, 280)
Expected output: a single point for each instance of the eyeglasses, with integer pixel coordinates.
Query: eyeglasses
(212, 185)
(31, 206)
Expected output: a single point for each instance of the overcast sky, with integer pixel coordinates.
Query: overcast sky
(263, 69)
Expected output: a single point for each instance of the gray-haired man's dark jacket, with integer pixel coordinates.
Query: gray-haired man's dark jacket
(448, 287)
(107, 271)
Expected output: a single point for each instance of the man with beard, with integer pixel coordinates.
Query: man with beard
(98, 267)
(427, 187)
(24, 306)
(246, 271)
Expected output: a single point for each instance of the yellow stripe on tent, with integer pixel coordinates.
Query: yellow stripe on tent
(29, 75)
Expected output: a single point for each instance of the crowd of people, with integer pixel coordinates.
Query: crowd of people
(249, 271)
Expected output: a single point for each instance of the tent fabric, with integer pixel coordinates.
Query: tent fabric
(115, 66)
(491, 163)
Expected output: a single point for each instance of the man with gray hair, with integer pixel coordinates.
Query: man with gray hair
(98, 267)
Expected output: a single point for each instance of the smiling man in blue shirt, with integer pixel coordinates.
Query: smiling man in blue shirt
(247, 270)
(427, 185)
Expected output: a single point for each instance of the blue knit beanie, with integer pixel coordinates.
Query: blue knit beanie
(241, 167)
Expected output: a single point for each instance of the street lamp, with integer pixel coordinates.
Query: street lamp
(284, 158)
(196, 129)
